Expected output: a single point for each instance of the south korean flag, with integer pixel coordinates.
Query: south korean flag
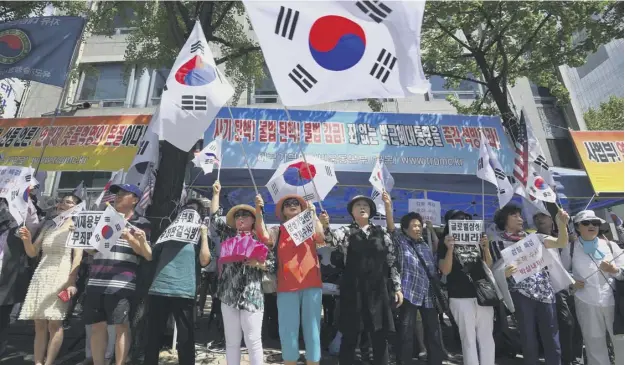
(489, 169)
(325, 51)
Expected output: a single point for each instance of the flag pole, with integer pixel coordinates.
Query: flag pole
(247, 163)
(382, 175)
(483, 205)
(288, 115)
(62, 97)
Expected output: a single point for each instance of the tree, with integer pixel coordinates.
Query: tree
(160, 29)
(495, 43)
(608, 117)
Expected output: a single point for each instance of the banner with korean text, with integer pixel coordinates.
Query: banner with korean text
(100, 143)
(601, 153)
(352, 141)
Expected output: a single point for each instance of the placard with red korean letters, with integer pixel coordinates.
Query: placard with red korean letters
(185, 228)
(466, 232)
(526, 255)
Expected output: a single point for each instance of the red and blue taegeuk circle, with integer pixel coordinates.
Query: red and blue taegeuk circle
(195, 72)
(336, 43)
(540, 183)
(14, 46)
(297, 174)
(26, 194)
(107, 232)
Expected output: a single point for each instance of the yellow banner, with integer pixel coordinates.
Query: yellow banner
(601, 153)
(99, 143)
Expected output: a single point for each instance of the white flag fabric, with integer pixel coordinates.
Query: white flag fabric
(60, 219)
(183, 195)
(538, 188)
(105, 195)
(537, 159)
(209, 156)
(193, 95)
(108, 230)
(80, 191)
(325, 51)
(20, 203)
(381, 178)
(147, 155)
(379, 203)
(489, 169)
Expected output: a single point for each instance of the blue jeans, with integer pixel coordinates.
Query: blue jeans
(300, 306)
(529, 313)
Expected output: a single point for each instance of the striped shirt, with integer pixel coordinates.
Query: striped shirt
(116, 272)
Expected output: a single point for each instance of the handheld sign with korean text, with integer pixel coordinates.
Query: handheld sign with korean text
(301, 227)
(84, 226)
(527, 255)
(466, 232)
(186, 228)
(430, 210)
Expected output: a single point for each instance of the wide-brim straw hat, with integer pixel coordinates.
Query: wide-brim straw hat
(230, 221)
(369, 201)
(302, 202)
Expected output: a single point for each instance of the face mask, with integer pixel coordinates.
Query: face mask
(590, 248)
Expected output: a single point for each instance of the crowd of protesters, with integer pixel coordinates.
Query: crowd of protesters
(393, 285)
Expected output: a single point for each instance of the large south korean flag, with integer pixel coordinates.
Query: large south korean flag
(325, 51)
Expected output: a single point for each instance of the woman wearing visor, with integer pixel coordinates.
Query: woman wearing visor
(596, 264)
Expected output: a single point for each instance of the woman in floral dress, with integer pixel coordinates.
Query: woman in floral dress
(55, 277)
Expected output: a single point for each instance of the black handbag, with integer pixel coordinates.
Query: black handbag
(486, 293)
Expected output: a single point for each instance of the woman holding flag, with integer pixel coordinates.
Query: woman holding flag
(299, 279)
(53, 283)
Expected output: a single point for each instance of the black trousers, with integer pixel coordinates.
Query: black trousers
(5, 321)
(404, 348)
(160, 309)
(350, 341)
(570, 336)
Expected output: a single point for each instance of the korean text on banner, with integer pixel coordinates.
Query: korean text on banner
(11, 179)
(526, 255)
(108, 230)
(186, 228)
(601, 153)
(466, 232)
(84, 225)
(101, 143)
(404, 143)
(430, 210)
(301, 227)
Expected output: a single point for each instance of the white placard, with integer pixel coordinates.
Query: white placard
(466, 232)
(84, 226)
(301, 227)
(11, 180)
(108, 230)
(430, 210)
(526, 255)
(72, 212)
(185, 228)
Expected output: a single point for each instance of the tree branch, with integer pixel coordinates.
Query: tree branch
(478, 108)
(241, 52)
(223, 15)
(531, 38)
(206, 14)
(451, 76)
(503, 75)
(186, 18)
(217, 39)
(452, 35)
(172, 22)
(503, 30)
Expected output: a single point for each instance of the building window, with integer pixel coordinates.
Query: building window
(592, 62)
(106, 85)
(265, 92)
(466, 90)
(160, 79)
(122, 22)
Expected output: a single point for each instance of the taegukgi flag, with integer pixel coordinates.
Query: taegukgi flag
(193, 95)
(209, 157)
(489, 169)
(324, 51)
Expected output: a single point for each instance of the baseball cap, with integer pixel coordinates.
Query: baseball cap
(131, 188)
(587, 215)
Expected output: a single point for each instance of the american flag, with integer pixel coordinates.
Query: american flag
(146, 198)
(519, 137)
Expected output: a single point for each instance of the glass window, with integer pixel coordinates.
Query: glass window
(160, 78)
(107, 82)
(265, 91)
(120, 22)
(466, 89)
(93, 179)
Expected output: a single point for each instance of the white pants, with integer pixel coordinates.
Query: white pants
(475, 324)
(594, 322)
(110, 347)
(250, 324)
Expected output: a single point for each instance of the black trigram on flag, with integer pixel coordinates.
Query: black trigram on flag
(329, 171)
(302, 78)
(375, 10)
(197, 46)
(383, 65)
(500, 174)
(274, 188)
(286, 22)
(308, 197)
(502, 191)
(480, 163)
(107, 219)
(542, 162)
(193, 102)
(27, 178)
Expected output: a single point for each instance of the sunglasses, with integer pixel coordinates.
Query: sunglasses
(291, 202)
(594, 223)
(242, 214)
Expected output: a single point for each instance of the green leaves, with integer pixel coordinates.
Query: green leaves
(609, 116)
